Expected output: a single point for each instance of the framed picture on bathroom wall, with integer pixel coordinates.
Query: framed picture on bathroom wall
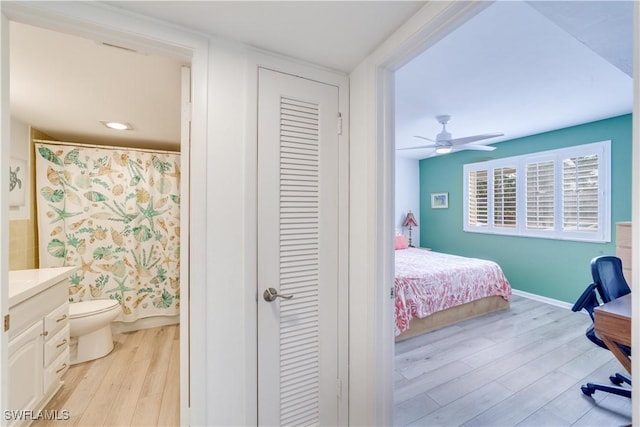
(17, 182)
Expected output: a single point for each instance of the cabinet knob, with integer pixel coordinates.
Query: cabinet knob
(63, 342)
(64, 366)
(64, 316)
(45, 333)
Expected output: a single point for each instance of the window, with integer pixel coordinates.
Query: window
(580, 193)
(478, 201)
(540, 196)
(504, 197)
(558, 194)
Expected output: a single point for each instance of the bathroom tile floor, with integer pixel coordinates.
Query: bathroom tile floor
(137, 384)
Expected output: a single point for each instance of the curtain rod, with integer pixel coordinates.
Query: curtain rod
(112, 147)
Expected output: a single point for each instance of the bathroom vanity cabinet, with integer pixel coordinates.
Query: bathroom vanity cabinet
(38, 338)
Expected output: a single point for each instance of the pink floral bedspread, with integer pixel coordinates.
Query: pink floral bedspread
(427, 282)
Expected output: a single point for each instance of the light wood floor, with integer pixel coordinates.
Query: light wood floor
(518, 367)
(137, 384)
(522, 366)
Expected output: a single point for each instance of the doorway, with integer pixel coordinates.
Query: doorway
(426, 205)
(183, 144)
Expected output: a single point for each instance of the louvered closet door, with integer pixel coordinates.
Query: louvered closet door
(297, 251)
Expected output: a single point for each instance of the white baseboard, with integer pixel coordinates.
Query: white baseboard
(144, 323)
(540, 298)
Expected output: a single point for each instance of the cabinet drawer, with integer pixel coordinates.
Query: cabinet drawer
(54, 372)
(36, 307)
(56, 320)
(56, 345)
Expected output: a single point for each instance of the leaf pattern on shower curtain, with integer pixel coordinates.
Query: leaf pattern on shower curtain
(115, 213)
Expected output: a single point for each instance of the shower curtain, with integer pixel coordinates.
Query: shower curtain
(114, 213)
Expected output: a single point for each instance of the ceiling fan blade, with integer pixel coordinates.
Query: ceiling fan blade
(425, 138)
(418, 147)
(475, 147)
(474, 138)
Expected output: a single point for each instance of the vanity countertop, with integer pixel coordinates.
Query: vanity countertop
(24, 284)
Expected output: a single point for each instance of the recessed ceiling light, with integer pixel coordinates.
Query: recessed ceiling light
(116, 125)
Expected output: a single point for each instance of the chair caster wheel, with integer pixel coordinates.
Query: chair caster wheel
(587, 390)
(615, 380)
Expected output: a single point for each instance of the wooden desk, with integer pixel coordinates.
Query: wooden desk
(613, 325)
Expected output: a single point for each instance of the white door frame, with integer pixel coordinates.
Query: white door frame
(108, 23)
(255, 60)
(635, 218)
(372, 206)
(5, 119)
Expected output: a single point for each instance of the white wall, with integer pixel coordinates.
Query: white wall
(227, 338)
(367, 395)
(408, 195)
(231, 170)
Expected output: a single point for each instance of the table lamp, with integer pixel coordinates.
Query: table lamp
(410, 221)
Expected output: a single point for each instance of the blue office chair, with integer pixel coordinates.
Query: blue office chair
(608, 284)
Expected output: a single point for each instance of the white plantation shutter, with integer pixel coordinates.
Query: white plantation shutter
(558, 194)
(299, 254)
(478, 198)
(580, 193)
(504, 197)
(540, 196)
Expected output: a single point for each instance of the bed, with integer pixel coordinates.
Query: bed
(435, 289)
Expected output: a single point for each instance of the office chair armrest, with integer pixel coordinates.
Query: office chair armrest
(587, 300)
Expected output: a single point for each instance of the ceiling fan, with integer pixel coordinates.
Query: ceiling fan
(444, 143)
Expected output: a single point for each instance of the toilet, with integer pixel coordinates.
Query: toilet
(90, 328)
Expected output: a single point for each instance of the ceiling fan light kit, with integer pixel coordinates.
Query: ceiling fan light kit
(443, 150)
(445, 143)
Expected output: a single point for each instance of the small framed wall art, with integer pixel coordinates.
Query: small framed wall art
(17, 182)
(439, 200)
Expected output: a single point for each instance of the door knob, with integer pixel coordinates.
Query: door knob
(270, 294)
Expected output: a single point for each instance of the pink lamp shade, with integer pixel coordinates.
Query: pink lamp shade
(410, 221)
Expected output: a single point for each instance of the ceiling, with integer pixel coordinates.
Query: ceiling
(517, 68)
(334, 34)
(65, 85)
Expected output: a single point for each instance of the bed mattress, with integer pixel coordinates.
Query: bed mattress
(427, 282)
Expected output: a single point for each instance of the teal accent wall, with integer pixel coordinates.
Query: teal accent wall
(557, 269)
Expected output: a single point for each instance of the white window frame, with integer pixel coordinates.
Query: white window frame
(603, 233)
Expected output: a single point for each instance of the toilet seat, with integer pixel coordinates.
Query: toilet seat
(90, 308)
